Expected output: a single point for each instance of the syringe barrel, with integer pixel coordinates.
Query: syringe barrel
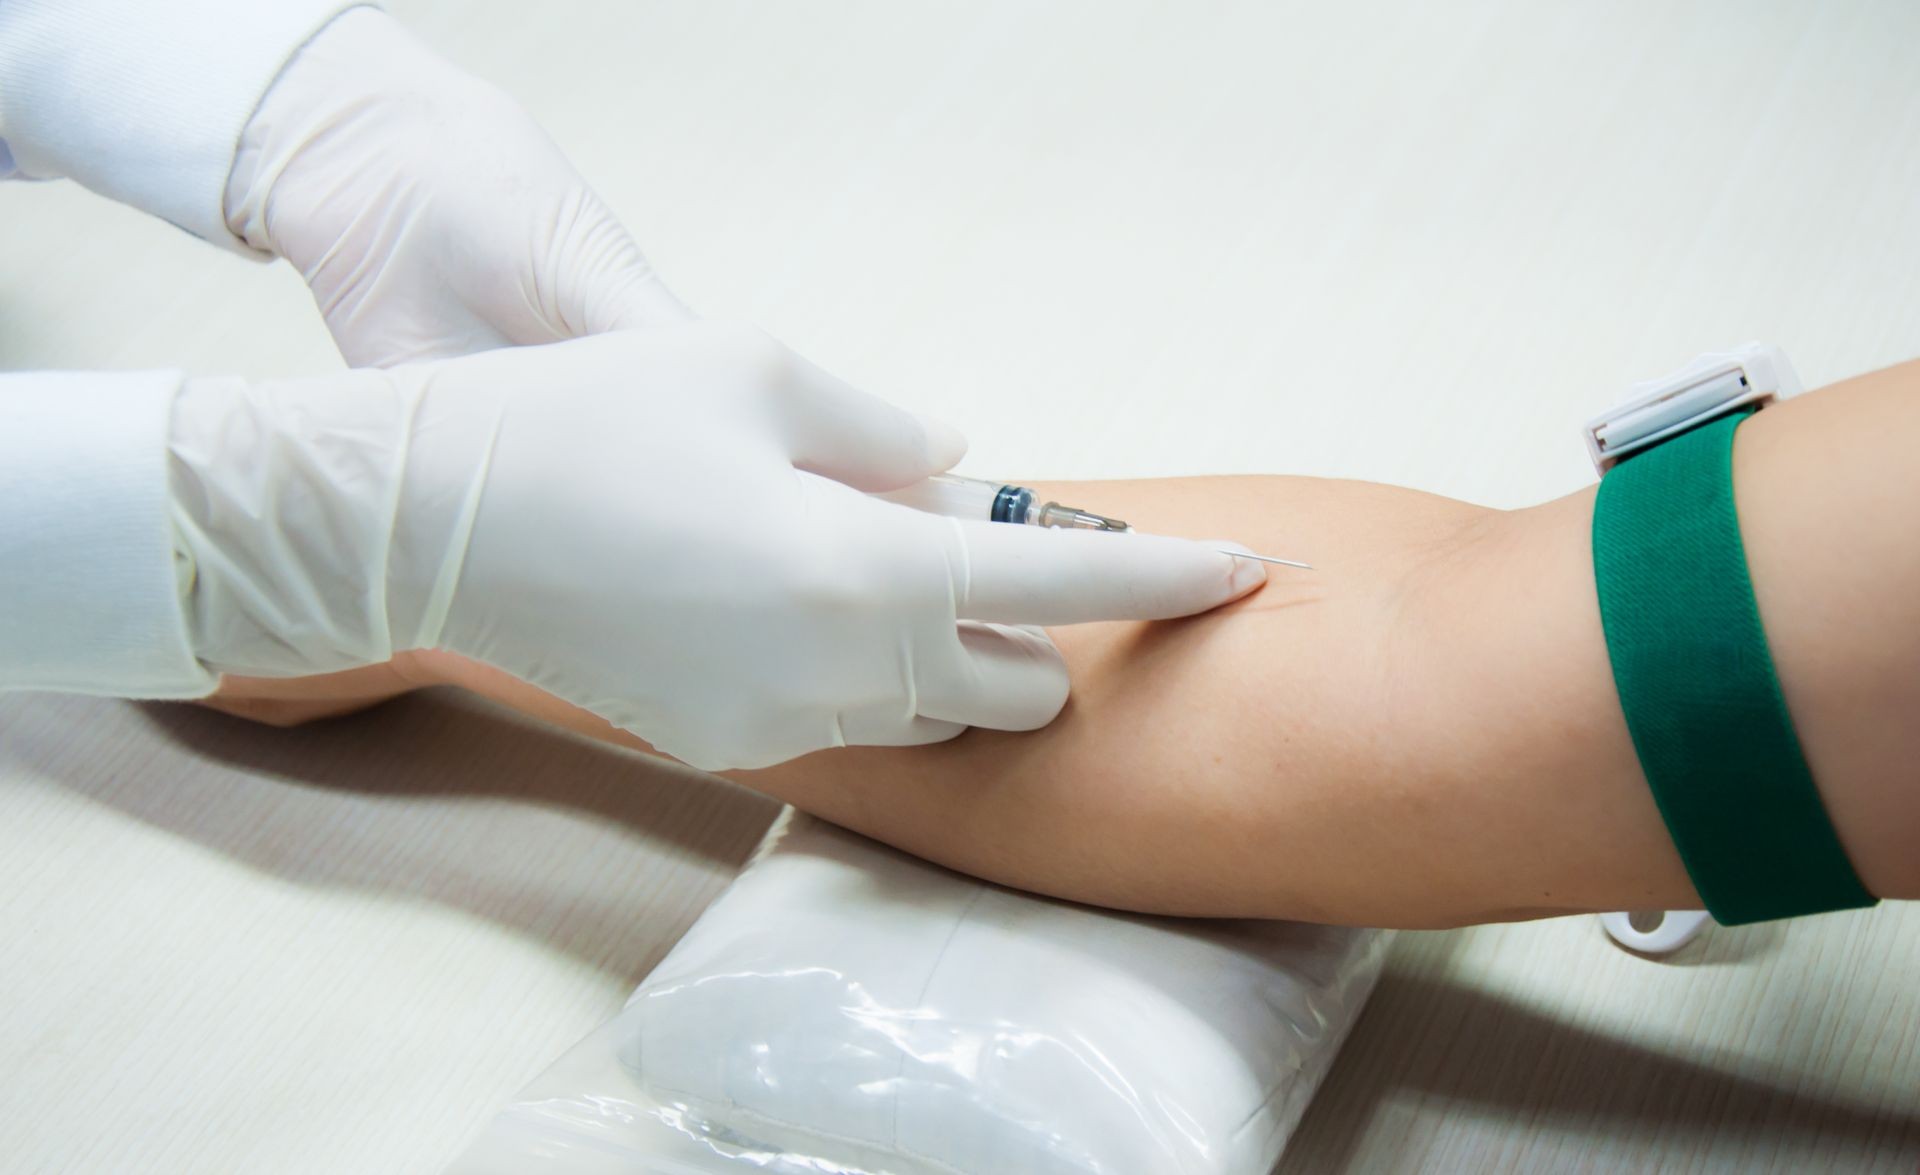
(966, 497)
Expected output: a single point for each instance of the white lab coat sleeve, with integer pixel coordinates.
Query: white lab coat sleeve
(144, 101)
(91, 599)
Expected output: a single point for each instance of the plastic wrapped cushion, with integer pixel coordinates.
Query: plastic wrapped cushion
(846, 1008)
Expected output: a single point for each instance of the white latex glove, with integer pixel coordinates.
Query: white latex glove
(428, 213)
(664, 527)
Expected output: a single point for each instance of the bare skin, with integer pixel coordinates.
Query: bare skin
(1422, 732)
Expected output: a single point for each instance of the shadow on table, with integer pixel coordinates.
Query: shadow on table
(1506, 1077)
(428, 798)
(443, 799)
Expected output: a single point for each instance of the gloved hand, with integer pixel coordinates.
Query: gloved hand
(428, 213)
(663, 527)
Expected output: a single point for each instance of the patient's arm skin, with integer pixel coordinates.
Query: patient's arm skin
(1423, 731)
(1419, 732)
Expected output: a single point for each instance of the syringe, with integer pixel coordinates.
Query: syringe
(970, 497)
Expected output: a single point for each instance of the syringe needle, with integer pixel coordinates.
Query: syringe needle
(1266, 558)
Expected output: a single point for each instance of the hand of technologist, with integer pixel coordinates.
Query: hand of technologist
(430, 215)
(780, 611)
(665, 527)
(662, 523)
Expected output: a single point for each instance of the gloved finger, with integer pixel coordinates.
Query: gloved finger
(841, 432)
(1026, 575)
(588, 271)
(1006, 678)
(631, 297)
(887, 728)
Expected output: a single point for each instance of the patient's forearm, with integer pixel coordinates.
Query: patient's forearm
(1422, 731)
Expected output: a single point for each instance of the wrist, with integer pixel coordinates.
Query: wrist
(144, 102)
(347, 91)
(282, 498)
(453, 430)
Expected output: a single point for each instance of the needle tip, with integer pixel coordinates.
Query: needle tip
(1266, 558)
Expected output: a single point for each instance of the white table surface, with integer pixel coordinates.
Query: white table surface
(1411, 243)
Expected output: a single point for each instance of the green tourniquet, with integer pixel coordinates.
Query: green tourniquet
(1697, 684)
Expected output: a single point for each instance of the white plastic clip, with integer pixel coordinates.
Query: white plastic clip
(1712, 385)
(1675, 929)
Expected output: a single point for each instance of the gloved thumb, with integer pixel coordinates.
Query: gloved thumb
(614, 286)
(858, 439)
